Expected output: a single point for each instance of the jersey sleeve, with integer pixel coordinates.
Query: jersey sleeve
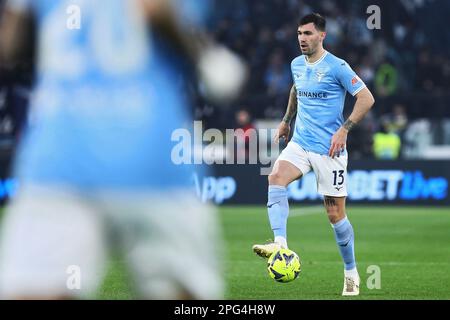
(348, 78)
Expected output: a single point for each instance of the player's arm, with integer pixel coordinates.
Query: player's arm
(15, 36)
(221, 72)
(285, 126)
(292, 106)
(364, 102)
(163, 20)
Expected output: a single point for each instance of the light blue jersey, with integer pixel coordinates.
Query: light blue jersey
(106, 101)
(321, 89)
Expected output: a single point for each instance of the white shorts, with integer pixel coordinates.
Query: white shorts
(331, 174)
(55, 243)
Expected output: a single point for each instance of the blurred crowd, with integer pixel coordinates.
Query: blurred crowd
(405, 63)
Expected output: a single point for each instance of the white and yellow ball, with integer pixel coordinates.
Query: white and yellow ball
(284, 265)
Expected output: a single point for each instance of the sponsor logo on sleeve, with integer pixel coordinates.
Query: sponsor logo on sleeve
(355, 80)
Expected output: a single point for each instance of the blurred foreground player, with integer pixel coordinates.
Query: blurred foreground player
(321, 81)
(95, 162)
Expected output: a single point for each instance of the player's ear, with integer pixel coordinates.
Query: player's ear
(323, 35)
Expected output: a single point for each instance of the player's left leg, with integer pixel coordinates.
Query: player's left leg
(344, 235)
(331, 174)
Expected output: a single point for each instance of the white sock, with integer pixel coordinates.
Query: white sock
(353, 273)
(281, 241)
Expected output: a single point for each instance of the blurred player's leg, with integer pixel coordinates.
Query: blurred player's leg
(343, 232)
(51, 246)
(171, 243)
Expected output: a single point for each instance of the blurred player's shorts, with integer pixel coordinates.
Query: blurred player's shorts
(169, 241)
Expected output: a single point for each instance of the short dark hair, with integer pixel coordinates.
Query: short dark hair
(319, 22)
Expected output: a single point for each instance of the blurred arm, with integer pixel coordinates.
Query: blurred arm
(220, 71)
(163, 20)
(15, 37)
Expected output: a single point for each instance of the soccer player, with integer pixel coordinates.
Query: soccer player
(321, 81)
(95, 163)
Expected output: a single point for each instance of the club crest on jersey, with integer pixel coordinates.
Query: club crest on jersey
(320, 75)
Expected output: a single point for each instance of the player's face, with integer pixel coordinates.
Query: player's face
(309, 38)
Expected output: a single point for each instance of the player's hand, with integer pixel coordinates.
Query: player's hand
(283, 132)
(338, 142)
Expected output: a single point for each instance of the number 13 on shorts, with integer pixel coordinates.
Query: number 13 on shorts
(336, 183)
(331, 175)
(338, 178)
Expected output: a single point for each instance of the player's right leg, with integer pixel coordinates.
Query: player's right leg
(290, 166)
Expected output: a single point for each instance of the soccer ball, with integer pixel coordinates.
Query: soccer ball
(284, 265)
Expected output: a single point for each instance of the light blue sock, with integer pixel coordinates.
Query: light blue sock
(343, 232)
(278, 209)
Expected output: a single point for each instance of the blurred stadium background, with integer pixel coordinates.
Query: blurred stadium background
(399, 156)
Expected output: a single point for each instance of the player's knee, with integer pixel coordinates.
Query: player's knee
(333, 218)
(334, 215)
(275, 178)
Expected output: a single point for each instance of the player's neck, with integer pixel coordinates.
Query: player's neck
(316, 55)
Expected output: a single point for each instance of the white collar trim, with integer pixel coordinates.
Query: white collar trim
(318, 61)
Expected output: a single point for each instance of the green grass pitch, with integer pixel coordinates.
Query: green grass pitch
(410, 245)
